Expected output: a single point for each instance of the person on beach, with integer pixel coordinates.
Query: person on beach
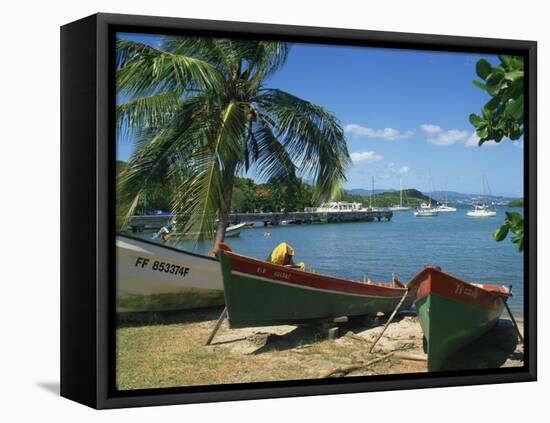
(282, 254)
(165, 232)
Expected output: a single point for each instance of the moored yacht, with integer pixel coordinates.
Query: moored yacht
(482, 210)
(445, 208)
(426, 212)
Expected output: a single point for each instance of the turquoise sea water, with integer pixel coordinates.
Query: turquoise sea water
(460, 245)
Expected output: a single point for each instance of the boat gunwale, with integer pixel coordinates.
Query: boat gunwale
(474, 300)
(167, 247)
(338, 282)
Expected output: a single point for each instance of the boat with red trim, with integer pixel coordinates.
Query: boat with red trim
(453, 312)
(258, 293)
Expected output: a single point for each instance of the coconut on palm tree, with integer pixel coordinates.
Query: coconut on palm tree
(200, 114)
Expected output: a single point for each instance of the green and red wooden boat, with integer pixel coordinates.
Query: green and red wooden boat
(258, 293)
(453, 312)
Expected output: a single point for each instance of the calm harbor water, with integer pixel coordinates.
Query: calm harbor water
(459, 244)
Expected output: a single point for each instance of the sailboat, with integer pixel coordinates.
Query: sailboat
(445, 208)
(371, 207)
(400, 207)
(426, 210)
(482, 210)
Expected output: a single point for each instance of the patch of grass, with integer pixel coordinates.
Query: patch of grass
(174, 354)
(170, 301)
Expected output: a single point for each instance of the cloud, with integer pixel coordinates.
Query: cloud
(365, 157)
(390, 134)
(393, 169)
(440, 137)
(473, 141)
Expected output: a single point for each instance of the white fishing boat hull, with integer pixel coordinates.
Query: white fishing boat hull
(474, 213)
(234, 230)
(399, 208)
(158, 277)
(446, 209)
(425, 213)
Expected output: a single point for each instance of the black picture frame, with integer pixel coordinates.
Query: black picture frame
(87, 210)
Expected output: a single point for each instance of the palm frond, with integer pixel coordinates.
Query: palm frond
(219, 52)
(217, 137)
(144, 71)
(157, 150)
(147, 112)
(270, 159)
(312, 136)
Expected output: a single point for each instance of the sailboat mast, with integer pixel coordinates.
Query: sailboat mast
(483, 187)
(371, 192)
(400, 192)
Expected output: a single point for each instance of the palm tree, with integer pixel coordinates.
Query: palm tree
(201, 114)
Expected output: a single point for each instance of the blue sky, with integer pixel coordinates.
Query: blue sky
(405, 114)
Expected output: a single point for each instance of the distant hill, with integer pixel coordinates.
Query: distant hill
(457, 197)
(362, 191)
(411, 197)
(392, 196)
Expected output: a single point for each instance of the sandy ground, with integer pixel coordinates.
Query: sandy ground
(169, 350)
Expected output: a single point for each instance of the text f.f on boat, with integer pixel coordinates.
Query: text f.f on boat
(152, 276)
(453, 312)
(258, 293)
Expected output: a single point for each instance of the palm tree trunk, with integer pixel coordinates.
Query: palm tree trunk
(229, 181)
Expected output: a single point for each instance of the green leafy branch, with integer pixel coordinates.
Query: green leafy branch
(513, 222)
(502, 116)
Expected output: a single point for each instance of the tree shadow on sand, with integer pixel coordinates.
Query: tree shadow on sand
(314, 332)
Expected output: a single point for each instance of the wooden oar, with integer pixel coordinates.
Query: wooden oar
(389, 320)
(217, 327)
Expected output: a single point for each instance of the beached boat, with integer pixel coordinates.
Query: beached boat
(152, 276)
(453, 312)
(258, 293)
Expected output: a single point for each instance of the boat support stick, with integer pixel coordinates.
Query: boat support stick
(399, 304)
(513, 320)
(217, 327)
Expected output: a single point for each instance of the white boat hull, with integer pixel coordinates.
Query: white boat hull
(446, 209)
(425, 213)
(481, 214)
(157, 277)
(234, 230)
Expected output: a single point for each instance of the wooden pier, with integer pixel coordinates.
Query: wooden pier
(149, 223)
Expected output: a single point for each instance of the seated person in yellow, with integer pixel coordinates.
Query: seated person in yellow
(282, 254)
